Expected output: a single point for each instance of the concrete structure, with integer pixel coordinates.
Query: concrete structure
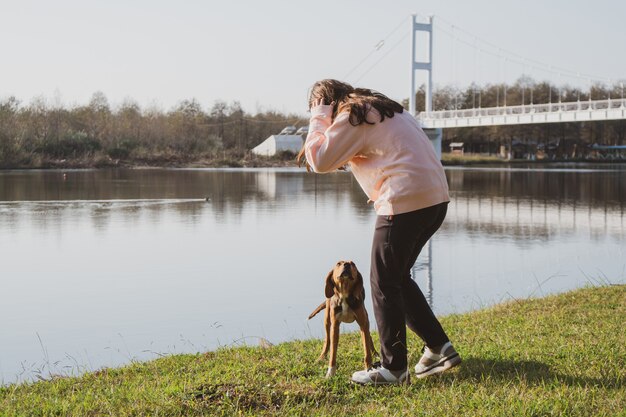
(426, 66)
(279, 143)
(435, 134)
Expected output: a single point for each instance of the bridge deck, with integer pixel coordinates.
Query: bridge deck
(577, 111)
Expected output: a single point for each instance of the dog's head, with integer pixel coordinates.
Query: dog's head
(345, 280)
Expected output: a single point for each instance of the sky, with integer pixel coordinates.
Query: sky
(266, 54)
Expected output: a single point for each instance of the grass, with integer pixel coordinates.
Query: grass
(218, 159)
(563, 355)
(470, 159)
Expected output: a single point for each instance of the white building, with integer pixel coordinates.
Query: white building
(279, 143)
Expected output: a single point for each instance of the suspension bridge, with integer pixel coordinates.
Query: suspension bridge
(578, 111)
(434, 120)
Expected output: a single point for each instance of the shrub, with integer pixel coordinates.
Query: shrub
(71, 145)
(285, 156)
(122, 149)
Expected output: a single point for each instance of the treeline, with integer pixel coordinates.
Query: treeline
(555, 140)
(40, 134)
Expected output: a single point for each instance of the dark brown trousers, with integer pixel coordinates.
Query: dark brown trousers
(398, 301)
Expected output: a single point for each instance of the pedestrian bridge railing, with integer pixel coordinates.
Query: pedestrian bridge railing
(577, 111)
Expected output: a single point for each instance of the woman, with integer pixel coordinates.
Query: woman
(395, 164)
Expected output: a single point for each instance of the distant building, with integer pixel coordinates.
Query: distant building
(279, 143)
(457, 148)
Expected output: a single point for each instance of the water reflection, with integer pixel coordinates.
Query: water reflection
(108, 266)
(512, 204)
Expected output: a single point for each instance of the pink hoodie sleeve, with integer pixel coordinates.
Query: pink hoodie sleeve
(329, 146)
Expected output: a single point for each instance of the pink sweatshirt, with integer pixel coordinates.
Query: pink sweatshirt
(393, 161)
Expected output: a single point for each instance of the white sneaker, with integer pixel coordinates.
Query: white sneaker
(379, 375)
(435, 362)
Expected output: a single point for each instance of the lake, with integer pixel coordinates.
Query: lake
(104, 267)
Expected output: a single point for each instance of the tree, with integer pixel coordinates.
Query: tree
(98, 115)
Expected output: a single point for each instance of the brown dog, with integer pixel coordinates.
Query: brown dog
(345, 298)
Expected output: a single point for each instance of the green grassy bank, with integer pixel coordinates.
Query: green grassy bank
(469, 159)
(231, 159)
(563, 355)
(493, 160)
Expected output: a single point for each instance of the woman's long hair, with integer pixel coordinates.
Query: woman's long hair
(356, 101)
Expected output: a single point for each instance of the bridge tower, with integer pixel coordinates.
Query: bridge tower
(434, 135)
(427, 66)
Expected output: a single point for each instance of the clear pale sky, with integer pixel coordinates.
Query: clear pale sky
(265, 54)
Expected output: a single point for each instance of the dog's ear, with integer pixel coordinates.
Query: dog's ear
(329, 289)
(359, 290)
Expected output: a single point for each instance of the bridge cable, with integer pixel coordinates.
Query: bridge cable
(381, 58)
(541, 66)
(375, 49)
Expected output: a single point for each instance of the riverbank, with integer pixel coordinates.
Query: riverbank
(233, 159)
(449, 159)
(561, 355)
(247, 160)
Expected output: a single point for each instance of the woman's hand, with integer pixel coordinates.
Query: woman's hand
(320, 102)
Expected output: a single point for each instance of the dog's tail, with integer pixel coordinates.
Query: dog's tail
(317, 310)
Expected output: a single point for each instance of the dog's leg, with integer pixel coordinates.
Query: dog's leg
(326, 333)
(366, 337)
(334, 342)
